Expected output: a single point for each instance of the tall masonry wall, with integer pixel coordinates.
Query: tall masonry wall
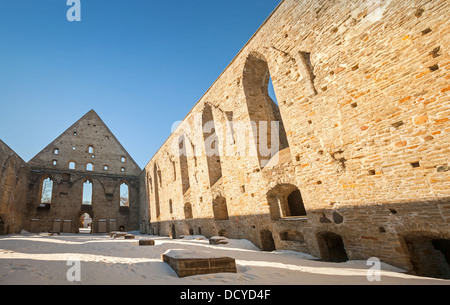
(14, 181)
(362, 90)
(87, 166)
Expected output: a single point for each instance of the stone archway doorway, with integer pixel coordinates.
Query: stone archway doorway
(332, 248)
(429, 256)
(85, 224)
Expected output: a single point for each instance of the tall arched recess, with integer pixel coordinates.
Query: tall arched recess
(262, 109)
(211, 141)
(156, 178)
(184, 169)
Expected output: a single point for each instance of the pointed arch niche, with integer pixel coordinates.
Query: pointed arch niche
(264, 112)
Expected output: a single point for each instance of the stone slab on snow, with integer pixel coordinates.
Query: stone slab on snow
(189, 263)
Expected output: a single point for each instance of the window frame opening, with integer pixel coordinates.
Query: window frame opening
(124, 195)
(88, 186)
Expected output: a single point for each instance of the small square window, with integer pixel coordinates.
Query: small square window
(105, 167)
(55, 162)
(71, 165)
(56, 151)
(123, 159)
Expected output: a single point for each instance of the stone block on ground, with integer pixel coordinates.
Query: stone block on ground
(218, 241)
(119, 234)
(146, 242)
(189, 263)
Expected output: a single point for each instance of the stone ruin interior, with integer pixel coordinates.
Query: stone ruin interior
(362, 161)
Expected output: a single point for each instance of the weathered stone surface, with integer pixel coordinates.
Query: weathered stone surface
(119, 234)
(217, 241)
(362, 92)
(363, 114)
(88, 141)
(187, 263)
(146, 242)
(14, 177)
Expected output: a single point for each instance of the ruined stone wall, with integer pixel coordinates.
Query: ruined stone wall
(14, 181)
(67, 197)
(363, 94)
(97, 157)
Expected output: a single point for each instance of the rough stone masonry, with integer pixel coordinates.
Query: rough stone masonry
(362, 161)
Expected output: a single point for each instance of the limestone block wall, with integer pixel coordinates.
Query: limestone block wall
(67, 202)
(86, 151)
(87, 141)
(14, 180)
(363, 108)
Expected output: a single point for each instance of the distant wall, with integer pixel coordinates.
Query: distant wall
(14, 181)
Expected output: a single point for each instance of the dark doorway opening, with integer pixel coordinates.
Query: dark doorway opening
(267, 242)
(332, 248)
(429, 257)
(174, 232)
(85, 224)
(2, 227)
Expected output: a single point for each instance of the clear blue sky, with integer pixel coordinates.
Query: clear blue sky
(140, 64)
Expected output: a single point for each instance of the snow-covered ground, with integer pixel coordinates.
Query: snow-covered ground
(39, 259)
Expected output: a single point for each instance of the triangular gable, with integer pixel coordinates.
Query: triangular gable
(108, 156)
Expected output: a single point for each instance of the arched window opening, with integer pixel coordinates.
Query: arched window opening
(271, 91)
(184, 169)
(90, 167)
(220, 209)
(46, 193)
(124, 195)
(91, 149)
(72, 165)
(295, 204)
(155, 175)
(150, 182)
(188, 211)
(285, 200)
(87, 192)
(269, 132)
(212, 147)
